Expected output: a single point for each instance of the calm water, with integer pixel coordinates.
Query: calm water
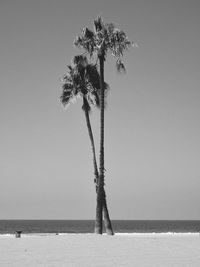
(87, 226)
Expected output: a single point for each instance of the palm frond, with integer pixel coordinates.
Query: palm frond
(88, 34)
(106, 88)
(86, 41)
(80, 60)
(66, 94)
(110, 28)
(98, 24)
(92, 75)
(69, 67)
(120, 66)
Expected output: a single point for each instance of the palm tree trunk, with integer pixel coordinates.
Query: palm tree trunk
(100, 190)
(108, 225)
(107, 221)
(87, 117)
(100, 196)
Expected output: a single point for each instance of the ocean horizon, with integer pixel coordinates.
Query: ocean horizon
(87, 226)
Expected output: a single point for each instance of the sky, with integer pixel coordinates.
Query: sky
(152, 148)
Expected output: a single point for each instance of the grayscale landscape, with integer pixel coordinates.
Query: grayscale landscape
(100, 151)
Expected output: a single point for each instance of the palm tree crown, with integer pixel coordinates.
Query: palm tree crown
(82, 80)
(105, 38)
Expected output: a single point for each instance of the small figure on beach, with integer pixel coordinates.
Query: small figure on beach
(18, 234)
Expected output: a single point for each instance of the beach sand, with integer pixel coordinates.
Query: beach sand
(90, 250)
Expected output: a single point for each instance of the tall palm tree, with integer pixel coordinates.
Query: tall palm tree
(105, 38)
(82, 79)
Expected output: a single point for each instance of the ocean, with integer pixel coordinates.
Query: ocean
(87, 226)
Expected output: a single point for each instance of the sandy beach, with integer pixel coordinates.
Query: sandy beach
(85, 250)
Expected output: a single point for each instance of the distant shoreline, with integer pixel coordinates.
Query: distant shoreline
(87, 226)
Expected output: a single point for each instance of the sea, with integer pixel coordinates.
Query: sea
(87, 226)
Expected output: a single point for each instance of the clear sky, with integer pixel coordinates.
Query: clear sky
(152, 148)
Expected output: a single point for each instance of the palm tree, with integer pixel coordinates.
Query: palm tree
(105, 38)
(82, 79)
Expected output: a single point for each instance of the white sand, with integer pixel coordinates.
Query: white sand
(89, 250)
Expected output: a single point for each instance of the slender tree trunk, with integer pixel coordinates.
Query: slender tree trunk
(100, 196)
(108, 225)
(100, 190)
(107, 221)
(87, 117)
